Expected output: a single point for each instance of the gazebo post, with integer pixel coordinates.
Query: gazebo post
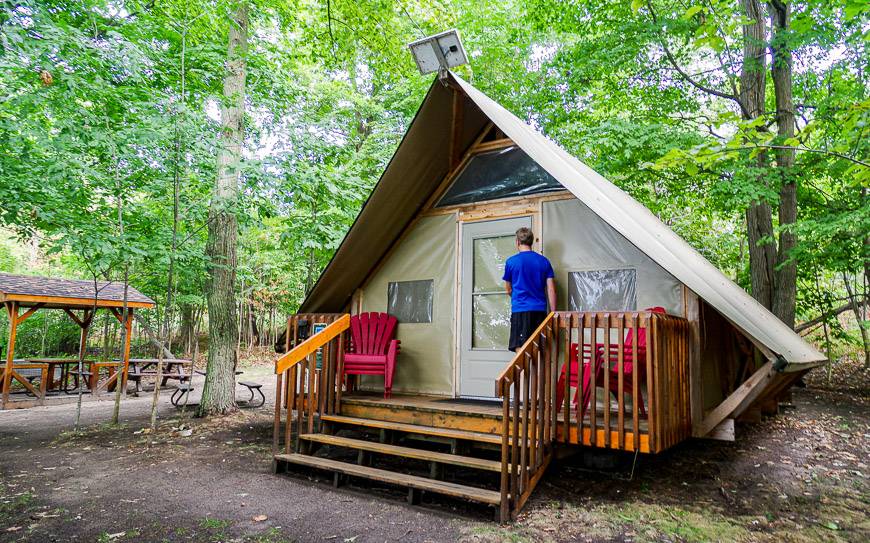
(12, 310)
(85, 324)
(125, 362)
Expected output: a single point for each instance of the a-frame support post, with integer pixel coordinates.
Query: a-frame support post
(125, 355)
(126, 321)
(12, 310)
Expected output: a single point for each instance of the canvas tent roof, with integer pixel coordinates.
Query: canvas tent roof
(421, 162)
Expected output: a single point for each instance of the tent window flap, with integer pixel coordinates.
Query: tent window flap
(498, 174)
(603, 290)
(411, 301)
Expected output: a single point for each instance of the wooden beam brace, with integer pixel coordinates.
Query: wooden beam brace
(743, 396)
(723, 432)
(457, 125)
(89, 317)
(118, 314)
(74, 317)
(29, 312)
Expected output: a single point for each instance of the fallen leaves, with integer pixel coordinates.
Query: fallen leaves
(259, 518)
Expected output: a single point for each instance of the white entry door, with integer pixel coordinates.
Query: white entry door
(485, 306)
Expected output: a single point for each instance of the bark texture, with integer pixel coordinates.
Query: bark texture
(785, 289)
(759, 222)
(218, 394)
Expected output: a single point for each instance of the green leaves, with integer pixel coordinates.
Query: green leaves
(691, 12)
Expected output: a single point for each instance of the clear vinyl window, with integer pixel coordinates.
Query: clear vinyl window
(498, 174)
(603, 290)
(411, 301)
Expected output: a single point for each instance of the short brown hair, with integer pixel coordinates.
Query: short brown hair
(525, 236)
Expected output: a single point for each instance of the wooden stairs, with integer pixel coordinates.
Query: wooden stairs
(444, 459)
(492, 453)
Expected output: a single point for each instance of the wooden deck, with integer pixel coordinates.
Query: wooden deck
(480, 416)
(642, 354)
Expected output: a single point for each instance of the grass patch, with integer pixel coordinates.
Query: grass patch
(208, 523)
(272, 535)
(654, 522)
(16, 504)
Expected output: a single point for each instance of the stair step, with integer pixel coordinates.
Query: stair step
(481, 495)
(406, 452)
(480, 437)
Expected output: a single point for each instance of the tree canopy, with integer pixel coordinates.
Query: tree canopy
(115, 104)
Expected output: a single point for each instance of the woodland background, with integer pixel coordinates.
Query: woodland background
(110, 124)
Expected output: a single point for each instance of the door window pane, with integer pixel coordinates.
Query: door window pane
(603, 290)
(499, 174)
(489, 257)
(490, 321)
(411, 301)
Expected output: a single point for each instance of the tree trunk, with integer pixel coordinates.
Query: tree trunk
(185, 340)
(785, 289)
(861, 317)
(759, 222)
(218, 395)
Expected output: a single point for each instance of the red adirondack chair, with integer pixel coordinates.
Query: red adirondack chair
(628, 368)
(373, 348)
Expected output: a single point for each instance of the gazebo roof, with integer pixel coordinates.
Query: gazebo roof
(30, 290)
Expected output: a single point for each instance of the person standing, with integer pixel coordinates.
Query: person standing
(529, 279)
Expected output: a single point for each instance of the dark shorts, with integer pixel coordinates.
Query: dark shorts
(522, 326)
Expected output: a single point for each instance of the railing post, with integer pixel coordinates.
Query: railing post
(504, 514)
(276, 429)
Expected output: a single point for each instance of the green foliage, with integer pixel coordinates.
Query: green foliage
(111, 102)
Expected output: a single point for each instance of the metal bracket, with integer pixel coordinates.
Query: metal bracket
(439, 54)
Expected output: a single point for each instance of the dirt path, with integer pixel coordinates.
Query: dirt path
(801, 476)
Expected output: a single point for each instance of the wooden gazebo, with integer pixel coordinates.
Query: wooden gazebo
(23, 295)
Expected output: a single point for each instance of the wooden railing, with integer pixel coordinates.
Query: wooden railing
(526, 387)
(309, 375)
(647, 360)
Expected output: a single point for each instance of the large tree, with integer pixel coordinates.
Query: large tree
(218, 395)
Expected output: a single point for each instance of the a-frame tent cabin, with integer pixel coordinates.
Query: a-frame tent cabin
(428, 247)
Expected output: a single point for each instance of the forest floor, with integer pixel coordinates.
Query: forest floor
(800, 476)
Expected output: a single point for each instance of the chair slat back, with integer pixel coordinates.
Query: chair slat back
(371, 332)
(641, 333)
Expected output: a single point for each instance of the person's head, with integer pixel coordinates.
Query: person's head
(525, 237)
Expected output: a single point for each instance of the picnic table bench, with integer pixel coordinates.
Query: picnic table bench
(187, 387)
(173, 368)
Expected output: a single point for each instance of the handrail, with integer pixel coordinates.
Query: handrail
(506, 374)
(526, 388)
(316, 341)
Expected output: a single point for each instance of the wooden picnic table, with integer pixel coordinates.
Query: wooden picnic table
(65, 365)
(173, 368)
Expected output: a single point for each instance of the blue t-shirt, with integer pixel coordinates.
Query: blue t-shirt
(527, 272)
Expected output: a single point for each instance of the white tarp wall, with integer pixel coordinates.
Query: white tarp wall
(428, 253)
(576, 240)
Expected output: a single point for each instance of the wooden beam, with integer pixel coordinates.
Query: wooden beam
(724, 431)
(12, 308)
(74, 317)
(744, 395)
(78, 303)
(29, 312)
(457, 120)
(696, 378)
(125, 358)
(493, 145)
